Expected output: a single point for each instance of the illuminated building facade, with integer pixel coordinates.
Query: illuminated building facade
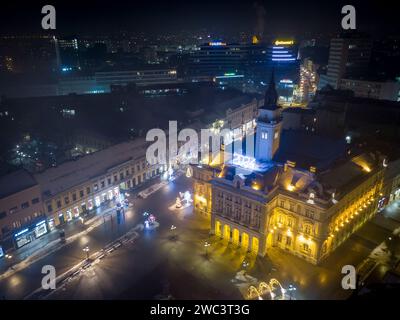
(77, 187)
(22, 218)
(241, 121)
(304, 205)
(308, 80)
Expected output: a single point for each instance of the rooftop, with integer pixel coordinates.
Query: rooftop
(15, 182)
(74, 173)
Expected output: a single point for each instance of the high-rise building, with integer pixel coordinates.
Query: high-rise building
(349, 56)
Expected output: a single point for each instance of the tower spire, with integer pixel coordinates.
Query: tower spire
(271, 96)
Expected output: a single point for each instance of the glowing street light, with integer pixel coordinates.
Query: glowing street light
(206, 245)
(86, 249)
(173, 228)
(291, 289)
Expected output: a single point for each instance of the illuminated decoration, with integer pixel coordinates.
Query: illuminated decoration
(216, 43)
(170, 173)
(284, 42)
(146, 224)
(187, 197)
(244, 161)
(385, 164)
(189, 172)
(254, 40)
(178, 203)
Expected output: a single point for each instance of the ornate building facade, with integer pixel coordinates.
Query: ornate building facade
(303, 205)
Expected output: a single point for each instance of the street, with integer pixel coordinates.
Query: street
(165, 262)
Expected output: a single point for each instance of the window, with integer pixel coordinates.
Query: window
(282, 203)
(121, 175)
(109, 181)
(81, 194)
(35, 200)
(103, 184)
(279, 237)
(306, 248)
(88, 190)
(14, 209)
(3, 215)
(127, 172)
(49, 208)
(307, 229)
(96, 187)
(291, 207)
(288, 241)
(74, 197)
(290, 222)
(115, 178)
(264, 135)
(66, 200)
(59, 204)
(25, 205)
(138, 167)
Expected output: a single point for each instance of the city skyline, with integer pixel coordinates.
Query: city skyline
(228, 151)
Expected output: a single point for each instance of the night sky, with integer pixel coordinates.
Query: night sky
(283, 17)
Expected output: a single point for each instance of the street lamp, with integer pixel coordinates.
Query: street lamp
(206, 245)
(86, 249)
(291, 289)
(173, 232)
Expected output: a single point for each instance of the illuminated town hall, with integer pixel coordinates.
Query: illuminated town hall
(306, 193)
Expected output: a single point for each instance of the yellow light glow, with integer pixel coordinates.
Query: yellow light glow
(290, 187)
(254, 40)
(284, 42)
(255, 186)
(200, 198)
(288, 232)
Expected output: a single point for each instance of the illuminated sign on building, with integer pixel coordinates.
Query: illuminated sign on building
(286, 81)
(284, 42)
(229, 75)
(217, 43)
